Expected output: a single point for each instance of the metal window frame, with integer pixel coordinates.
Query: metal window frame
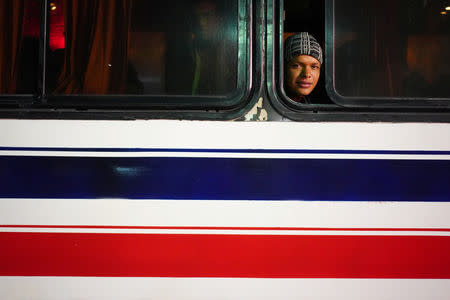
(147, 106)
(365, 112)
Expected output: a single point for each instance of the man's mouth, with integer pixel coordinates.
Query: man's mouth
(304, 85)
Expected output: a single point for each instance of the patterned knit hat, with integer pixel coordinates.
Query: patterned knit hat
(302, 43)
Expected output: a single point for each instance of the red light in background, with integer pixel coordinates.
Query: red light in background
(56, 36)
(56, 23)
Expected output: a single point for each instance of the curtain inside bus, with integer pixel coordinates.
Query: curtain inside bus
(95, 59)
(11, 34)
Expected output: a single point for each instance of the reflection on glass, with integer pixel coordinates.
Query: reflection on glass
(143, 47)
(19, 37)
(387, 48)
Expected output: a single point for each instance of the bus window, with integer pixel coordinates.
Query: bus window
(19, 51)
(143, 47)
(386, 49)
(379, 57)
(304, 17)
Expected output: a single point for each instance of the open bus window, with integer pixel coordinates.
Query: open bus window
(141, 47)
(303, 17)
(385, 49)
(19, 51)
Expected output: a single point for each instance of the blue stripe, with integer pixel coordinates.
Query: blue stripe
(256, 151)
(224, 178)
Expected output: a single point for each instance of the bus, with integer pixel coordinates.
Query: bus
(149, 150)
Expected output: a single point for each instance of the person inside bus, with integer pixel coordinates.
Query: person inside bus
(202, 48)
(302, 62)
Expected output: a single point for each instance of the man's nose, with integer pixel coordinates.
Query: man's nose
(306, 72)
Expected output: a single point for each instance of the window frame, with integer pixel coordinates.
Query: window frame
(145, 106)
(329, 112)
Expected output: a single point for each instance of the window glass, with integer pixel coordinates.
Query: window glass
(183, 47)
(385, 48)
(19, 51)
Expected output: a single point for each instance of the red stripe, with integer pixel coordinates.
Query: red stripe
(258, 256)
(224, 228)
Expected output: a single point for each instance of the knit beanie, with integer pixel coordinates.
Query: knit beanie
(302, 43)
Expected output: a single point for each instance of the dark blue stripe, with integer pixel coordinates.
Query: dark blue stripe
(268, 151)
(224, 178)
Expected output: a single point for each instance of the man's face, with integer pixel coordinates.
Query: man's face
(206, 20)
(301, 75)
